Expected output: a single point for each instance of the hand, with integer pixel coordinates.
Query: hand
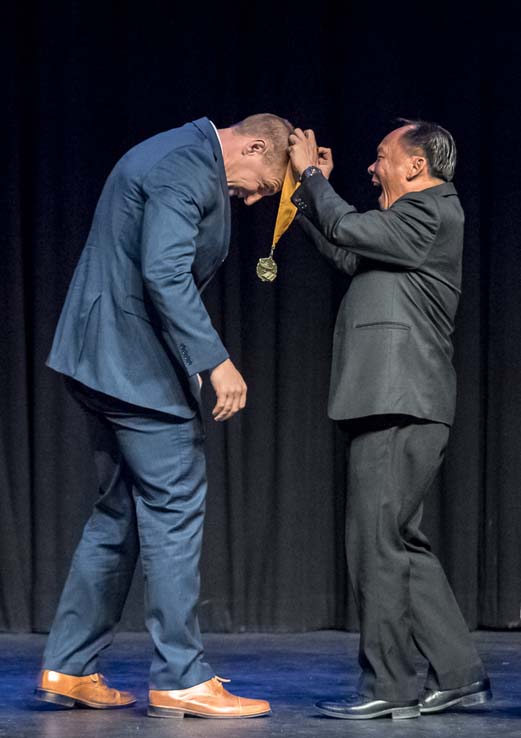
(325, 161)
(303, 150)
(230, 389)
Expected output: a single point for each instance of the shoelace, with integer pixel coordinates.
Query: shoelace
(100, 679)
(220, 681)
(103, 682)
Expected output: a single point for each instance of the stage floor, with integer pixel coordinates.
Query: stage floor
(291, 670)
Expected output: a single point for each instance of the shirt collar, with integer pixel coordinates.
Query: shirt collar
(217, 134)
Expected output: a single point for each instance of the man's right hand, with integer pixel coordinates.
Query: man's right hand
(230, 389)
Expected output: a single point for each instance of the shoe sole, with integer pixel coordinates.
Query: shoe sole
(469, 700)
(397, 713)
(63, 701)
(170, 712)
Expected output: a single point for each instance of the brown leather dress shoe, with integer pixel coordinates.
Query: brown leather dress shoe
(91, 691)
(206, 700)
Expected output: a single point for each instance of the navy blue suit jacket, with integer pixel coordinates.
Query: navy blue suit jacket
(133, 325)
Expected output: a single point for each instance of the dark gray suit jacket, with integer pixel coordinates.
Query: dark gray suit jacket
(392, 349)
(133, 325)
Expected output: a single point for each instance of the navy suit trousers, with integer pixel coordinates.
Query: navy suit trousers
(152, 477)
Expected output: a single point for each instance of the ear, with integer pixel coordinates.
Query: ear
(417, 166)
(254, 147)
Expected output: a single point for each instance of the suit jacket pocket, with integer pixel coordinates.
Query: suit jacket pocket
(90, 316)
(392, 324)
(371, 366)
(138, 307)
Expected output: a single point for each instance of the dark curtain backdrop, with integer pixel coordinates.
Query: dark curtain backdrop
(84, 81)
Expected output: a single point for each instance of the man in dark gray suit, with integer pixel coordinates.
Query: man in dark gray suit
(393, 389)
(132, 340)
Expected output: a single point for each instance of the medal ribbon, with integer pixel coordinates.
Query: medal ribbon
(267, 268)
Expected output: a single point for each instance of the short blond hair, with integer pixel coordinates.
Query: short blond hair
(274, 129)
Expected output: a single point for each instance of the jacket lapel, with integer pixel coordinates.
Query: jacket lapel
(206, 128)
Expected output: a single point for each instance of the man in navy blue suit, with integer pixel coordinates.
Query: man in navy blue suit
(132, 340)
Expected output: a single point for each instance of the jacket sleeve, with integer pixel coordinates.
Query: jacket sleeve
(178, 190)
(338, 257)
(401, 236)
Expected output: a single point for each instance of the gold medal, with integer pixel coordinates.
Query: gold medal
(267, 267)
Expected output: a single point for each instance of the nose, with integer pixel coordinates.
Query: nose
(370, 168)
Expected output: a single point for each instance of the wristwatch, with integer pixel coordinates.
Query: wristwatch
(309, 172)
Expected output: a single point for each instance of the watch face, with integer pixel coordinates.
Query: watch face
(310, 172)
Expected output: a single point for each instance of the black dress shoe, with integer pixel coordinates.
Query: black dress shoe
(436, 700)
(357, 707)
